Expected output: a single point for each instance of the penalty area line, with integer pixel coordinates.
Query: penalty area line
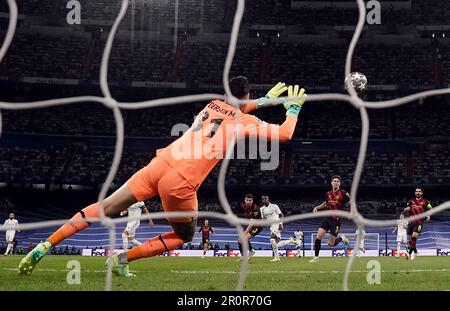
(304, 271)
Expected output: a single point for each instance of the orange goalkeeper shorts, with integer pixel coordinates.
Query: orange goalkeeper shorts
(158, 177)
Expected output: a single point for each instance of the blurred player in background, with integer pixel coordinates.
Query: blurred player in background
(336, 199)
(134, 212)
(251, 211)
(360, 246)
(402, 224)
(298, 235)
(416, 206)
(11, 226)
(178, 170)
(272, 212)
(206, 230)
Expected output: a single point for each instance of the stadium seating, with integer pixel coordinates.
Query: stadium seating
(190, 11)
(75, 57)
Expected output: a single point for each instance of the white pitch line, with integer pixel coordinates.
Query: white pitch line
(253, 272)
(305, 271)
(58, 270)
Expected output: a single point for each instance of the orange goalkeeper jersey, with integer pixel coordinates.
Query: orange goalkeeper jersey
(197, 152)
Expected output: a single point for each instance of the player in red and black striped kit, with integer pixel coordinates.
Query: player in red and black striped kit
(205, 229)
(252, 211)
(416, 206)
(336, 199)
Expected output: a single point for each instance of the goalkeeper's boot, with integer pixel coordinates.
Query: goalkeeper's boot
(413, 255)
(119, 269)
(251, 254)
(28, 263)
(315, 259)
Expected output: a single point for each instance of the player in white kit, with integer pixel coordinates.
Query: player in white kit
(134, 212)
(10, 226)
(298, 235)
(271, 211)
(360, 248)
(402, 224)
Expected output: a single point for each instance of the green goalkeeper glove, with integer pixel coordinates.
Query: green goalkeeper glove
(274, 92)
(294, 106)
(277, 90)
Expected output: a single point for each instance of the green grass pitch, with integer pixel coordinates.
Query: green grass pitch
(213, 273)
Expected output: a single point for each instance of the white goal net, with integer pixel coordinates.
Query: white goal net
(108, 101)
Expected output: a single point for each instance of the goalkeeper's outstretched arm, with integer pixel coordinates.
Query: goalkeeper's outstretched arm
(255, 127)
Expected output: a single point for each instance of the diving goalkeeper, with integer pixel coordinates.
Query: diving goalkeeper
(177, 172)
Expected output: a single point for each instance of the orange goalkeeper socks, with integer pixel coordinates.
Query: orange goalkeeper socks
(78, 224)
(155, 246)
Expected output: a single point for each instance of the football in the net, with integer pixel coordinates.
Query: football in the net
(358, 80)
